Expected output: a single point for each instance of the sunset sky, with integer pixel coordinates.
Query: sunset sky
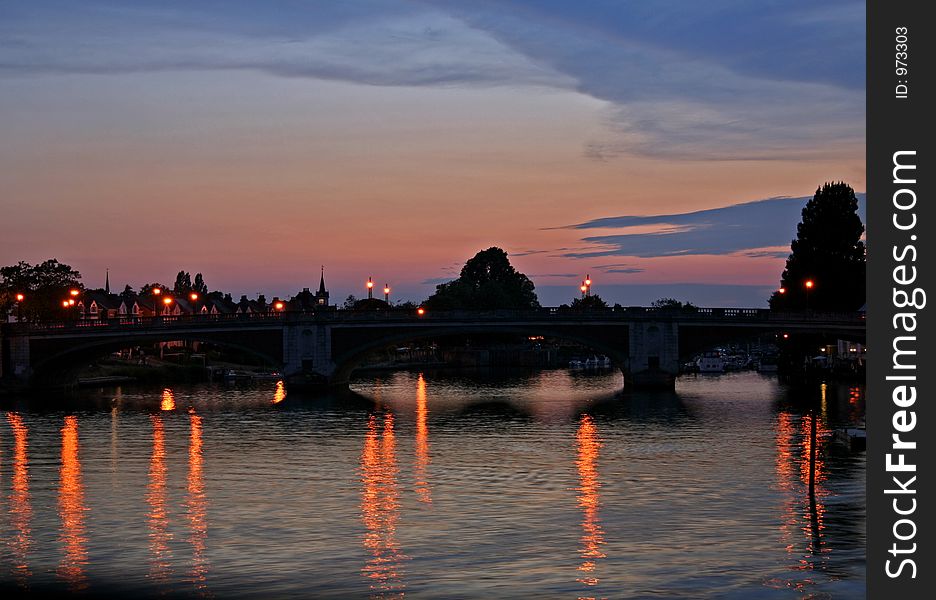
(664, 147)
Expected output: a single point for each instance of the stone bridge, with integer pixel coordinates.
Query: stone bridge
(323, 348)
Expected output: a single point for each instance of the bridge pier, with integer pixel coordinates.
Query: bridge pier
(653, 355)
(307, 357)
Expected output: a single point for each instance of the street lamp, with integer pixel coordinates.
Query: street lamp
(386, 293)
(279, 306)
(156, 292)
(194, 298)
(167, 301)
(781, 291)
(370, 288)
(809, 285)
(74, 292)
(19, 307)
(588, 283)
(584, 289)
(420, 311)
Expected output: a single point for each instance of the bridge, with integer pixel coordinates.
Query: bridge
(324, 347)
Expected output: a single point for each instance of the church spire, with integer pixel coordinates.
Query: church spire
(107, 281)
(321, 289)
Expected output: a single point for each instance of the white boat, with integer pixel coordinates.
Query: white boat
(711, 362)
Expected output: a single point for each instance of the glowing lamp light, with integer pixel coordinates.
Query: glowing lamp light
(278, 306)
(167, 301)
(157, 291)
(782, 291)
(370, 284)
(71, 302)
(193, 296)
(587, 280)
(65, 303)
(786, 336)
(584, 287)
(20, 297)
(809, 283)
(420, 311)
(386, 290)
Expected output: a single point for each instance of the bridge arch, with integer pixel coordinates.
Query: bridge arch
(346, 361)
(62, 367)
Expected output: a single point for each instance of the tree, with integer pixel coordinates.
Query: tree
(588, 302)
(44, 286)
(672, 303)
(183, 284)
(349, 302)
(200, 286)
(487, 281)
(828, 252)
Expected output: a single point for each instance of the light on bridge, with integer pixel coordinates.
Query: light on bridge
(65, 303)
(279, 306)
(20, 297)
(193, 296)
(157, 291)
(74, 293)
(781, 291)
(810, 283)
(420, 311)
(167, 301)
(71, 302)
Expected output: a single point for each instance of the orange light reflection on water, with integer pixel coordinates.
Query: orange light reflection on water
(156, 499)
(197, 505)
(380, 510)
(279, 394)
(72, 509)
(168, 400)
(20, 506)
(802, 522)
(587, 446)
(423, 491)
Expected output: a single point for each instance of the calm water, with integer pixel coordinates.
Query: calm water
(432, 485)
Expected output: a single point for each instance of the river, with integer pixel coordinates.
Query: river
(545, 484)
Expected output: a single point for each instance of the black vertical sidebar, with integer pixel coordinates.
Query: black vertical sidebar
(901, 65)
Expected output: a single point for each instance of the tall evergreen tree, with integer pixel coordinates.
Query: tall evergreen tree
(828, 252)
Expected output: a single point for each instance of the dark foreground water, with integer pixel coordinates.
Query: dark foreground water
(544, 485)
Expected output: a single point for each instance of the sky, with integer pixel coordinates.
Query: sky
(663, 147)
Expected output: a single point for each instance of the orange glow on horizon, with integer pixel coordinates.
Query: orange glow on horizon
(72, 509)
(588, 445)
(20, 506)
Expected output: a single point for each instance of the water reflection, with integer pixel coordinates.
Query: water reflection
(20, 506)
(380, 510)
(157, 518)
(587, 446)
(801, 471)
(423, 491)
(168, 400)
(279, 394)
(71, 510)
(197, 504)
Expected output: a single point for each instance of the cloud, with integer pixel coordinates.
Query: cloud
(397, 46)
(716, 80)
(756, 229)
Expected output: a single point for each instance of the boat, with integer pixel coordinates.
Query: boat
(711, 362)
(856, 438)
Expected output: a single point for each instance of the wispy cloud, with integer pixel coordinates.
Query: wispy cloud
(756, 229)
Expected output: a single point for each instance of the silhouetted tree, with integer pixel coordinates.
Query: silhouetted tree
(349, 302)
(370, 304)
(487, 281)
(672, 303)
(200, 286)
(588, 302)
(183, 284)
(827, 251)
(44, 286)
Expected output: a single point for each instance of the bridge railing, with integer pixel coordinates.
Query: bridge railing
(760, 315)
